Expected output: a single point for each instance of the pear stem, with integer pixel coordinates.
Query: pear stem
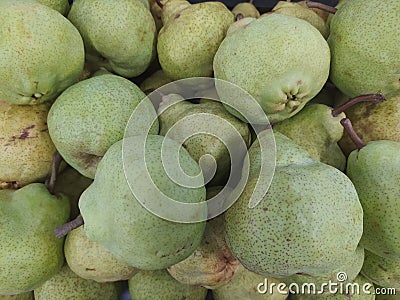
(50, 184)
(159, 3)
(324, 7)
(251, 1)
(64, 229)
(377, 98)
(346, 123)
(239, 16)
(159, 92)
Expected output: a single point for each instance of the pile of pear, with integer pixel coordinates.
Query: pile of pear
(72, 74)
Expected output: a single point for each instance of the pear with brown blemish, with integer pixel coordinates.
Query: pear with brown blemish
(246, 9)
(311, 213)
(190, 38)
(26, 152)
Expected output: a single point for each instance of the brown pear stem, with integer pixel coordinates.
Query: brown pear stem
(346, 123)
(57, 159)
(64, 229)
(324, 7)
(251, 1)
(377, 98)
(239, 16)
(159, 3)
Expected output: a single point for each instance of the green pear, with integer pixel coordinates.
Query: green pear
(62, 6)
(30, 253)
(302, 12)
(317, 130)
(160, 285)
(72, 184)
(189, 39)
(123, 226)
(156, 11)
(91, 261)
(67, 285)
(248, 285)
(119, 36)
(382, 271)
(359, 289)
(183, 116)
(27, 150)
(374, 171)
(41, 53)
(365, 47)
(212, 264)
(22, 296)
(351, 268)
(173, 7)
(157, 80)
(281, 78)
(311, 213)
(373, 121)
(320, 12)
(92, 115)
(246, 9)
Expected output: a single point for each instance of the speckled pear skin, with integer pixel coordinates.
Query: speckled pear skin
(296, 10)
(62, 6)
(243, 285)
(123, 226)
(282, 79)
(92, 115)
(202, 144)
(92, 261)
(382, 271)
(155, 81)
(374, 171)
(67, 285)
(118, 35)
(247, 9)
(30, 253)
(41, 53)
(351, 267)
(173, 7)
(188, 41)
(365, 44)
(23, 296)
(360, 280)
(26, 150)
(373, 121)
(160, 285)
(212, 264)
(311, 213)
(317, 131)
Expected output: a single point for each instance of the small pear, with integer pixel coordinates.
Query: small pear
(67, 285)
(27, 151)
(113, 38)
(302, 12)
(46, 64)
(189, 39)
(90, 260)
(246, 9)
(317, 130)
(382, 271)
(30, 253)
(160, 285)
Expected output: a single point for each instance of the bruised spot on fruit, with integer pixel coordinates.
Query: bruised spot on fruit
(294, 108)
(177, 16)
(25, 132)
(383, 268)
(90, 269)
(265, 209)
